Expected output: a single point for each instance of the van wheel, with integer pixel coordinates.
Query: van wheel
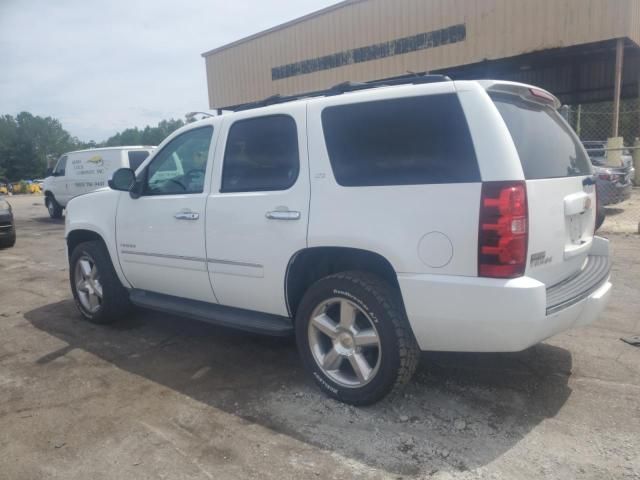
(97, 291)
(354, 337)
(53, 207)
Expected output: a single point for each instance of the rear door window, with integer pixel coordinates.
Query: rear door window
(546, 144)
(402, 141)
(261, 155)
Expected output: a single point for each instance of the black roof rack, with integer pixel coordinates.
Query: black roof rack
(345, 87)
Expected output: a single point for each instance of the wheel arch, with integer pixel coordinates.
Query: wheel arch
(86, 233)
(76, 237)
(311, 264)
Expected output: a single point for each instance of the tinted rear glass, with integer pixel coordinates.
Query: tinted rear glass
(261, 155)
(136, 158)
(404, 141)
(547, 146)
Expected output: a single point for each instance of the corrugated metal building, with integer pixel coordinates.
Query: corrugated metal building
(567, 46)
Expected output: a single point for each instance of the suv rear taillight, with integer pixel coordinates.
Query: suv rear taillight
(502, 241)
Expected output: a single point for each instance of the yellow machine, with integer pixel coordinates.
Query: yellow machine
(23, 187)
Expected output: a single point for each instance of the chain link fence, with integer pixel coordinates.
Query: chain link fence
(614, 166)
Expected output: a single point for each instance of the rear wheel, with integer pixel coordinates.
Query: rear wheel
(97, 291)
(600, 216)
(354, 338)
(53, 207)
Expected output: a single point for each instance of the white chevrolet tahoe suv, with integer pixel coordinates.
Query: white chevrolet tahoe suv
(372, 221)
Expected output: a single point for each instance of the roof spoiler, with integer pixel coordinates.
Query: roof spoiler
(527, 92)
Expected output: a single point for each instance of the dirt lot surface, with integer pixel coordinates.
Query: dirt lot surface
(623, 217)
(159, 396)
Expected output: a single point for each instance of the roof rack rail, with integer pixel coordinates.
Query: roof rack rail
(345, 87)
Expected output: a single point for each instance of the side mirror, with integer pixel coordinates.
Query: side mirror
(49, 172)
(123, 180)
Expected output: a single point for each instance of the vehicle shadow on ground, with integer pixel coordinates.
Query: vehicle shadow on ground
(461, 411)
(52, 221)
(613, 211)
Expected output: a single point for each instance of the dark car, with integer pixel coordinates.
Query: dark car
(614, 184)
(7, 226)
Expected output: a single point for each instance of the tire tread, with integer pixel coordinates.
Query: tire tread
(390, 301)
(409, 351)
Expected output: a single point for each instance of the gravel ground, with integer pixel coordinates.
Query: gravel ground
(159, 396)
(623, 217)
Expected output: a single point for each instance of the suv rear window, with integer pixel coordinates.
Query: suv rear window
(136, 158)
(546, 144)
(403, 141)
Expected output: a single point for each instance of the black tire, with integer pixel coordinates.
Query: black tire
(399, 351)
(600, 216)
(8, 242)
(53, 207)
(115, 298)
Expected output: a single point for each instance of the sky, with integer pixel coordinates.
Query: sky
(102, 66)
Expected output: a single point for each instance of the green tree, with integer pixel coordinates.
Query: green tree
(147, 136)
(27, 141)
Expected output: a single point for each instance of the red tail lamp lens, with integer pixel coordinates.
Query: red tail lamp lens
(502, 246)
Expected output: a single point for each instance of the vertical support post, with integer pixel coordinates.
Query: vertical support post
(638, 109)
(579, 121)
(636, 164)
(617, 93)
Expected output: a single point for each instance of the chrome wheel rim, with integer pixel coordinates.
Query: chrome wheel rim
(50, 207)
(344, 342)
(88, 286)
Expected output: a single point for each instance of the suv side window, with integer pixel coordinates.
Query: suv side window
(261, 155)
(61, 167)
(402, 141)
(180, 166)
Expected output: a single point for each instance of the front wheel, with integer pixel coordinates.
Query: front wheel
(97, 291)
(354, 338)
(53, 207)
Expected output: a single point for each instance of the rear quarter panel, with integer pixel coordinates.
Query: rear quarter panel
(417, 228)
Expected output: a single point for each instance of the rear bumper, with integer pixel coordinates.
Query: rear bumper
(469, 314)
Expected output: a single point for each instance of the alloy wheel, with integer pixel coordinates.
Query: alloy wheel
(88, 286)
(344, 342)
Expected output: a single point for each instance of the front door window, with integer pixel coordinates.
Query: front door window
(180, 166)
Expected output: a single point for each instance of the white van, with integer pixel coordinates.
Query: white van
(84, 171)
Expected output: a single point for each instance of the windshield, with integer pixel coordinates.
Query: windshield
(546, 144)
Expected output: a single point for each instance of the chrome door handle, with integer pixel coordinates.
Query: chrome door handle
(187, 216)
(283, 215)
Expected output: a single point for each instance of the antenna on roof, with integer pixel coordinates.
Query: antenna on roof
(191, 116)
